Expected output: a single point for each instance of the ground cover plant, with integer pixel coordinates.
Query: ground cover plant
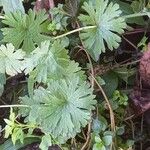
(74, 75)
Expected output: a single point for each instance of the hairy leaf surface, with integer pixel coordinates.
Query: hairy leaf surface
(61, 109)
(105, 16)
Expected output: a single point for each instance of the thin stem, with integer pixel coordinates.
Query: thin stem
(10, 106)
(112, 118)
(130, 43)
(135, 15)
(88, 136)
(73, 31)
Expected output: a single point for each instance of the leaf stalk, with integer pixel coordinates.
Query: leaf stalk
(135, 15)
(74, 31)
(12, 106)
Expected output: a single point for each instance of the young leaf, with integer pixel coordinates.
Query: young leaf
(61, 109)
(11, 60)
(105, 16)
(17, 135)
(46, 142)
(24, 30)
(59, 19)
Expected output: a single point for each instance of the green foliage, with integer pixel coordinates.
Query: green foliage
(11, 60)
(124, 73)
(111, 83)
(24, 30)
(16, 129)
(61, 109)
(106, 18)
(120, 98)
(104, 142)
(48, 60)
(8, 145)
(12, 5)
(46, 142)
(13, 129)
(59, 19)
(55, 95)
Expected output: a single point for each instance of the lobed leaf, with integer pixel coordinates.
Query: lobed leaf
(11, 60)
(62, 108)
(24, 30)
(106, 17)
(48, 60)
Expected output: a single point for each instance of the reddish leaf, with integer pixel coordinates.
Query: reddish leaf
(44, 4)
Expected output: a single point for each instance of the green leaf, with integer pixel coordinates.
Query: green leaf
(120, 130)
(127, 9)
(111, 83)
(98, 144)
(17, 135)
(24, 30)
(124, 73)
(46, 142)
(59, 19)
(12, 5)
(99, 125)
(100, 80)
(137, 6)
(8, 145)
(106, 17)
(96, 126)
(61, 109)
(107, 139)
(11, 60)
(48, 60)
(8, 129)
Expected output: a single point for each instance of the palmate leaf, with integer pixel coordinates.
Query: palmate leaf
(61, 109)
(25, 30)
(48, 60)
(11, 60)
(105, 16)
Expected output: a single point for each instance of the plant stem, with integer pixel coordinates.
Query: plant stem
(10, 106)
(112, 118)
(135, 15)
(73, 31)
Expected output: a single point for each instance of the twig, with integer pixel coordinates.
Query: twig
(129, 42)
(88, 136)
(112, 118)
(129, 118)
